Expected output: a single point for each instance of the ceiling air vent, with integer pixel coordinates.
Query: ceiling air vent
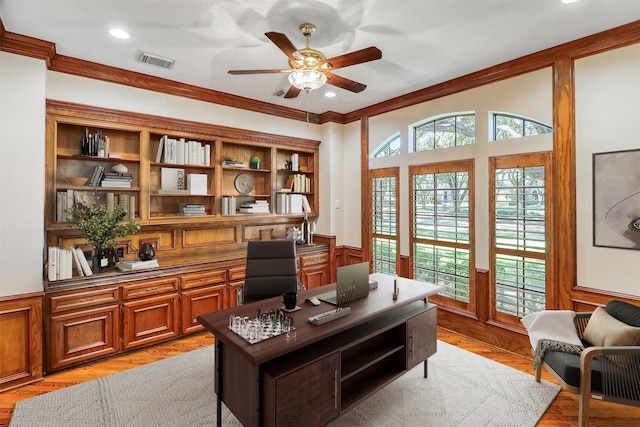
(156, 60)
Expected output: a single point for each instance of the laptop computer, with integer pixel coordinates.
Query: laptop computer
(352, 283)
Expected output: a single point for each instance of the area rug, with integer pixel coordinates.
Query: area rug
(463, 389)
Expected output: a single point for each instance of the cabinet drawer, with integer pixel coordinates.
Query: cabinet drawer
(83, 299)
(148, 288)
(237, 273)
(314, 259)
(202, 278)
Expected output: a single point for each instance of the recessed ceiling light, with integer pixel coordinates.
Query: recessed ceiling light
(330, 94)
(569, 1)
(119, 33)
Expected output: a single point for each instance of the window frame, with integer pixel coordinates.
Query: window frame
(525, 120)
(391, 172)
(447, 167)
(521, 161)
(386, 145)
(454, 115)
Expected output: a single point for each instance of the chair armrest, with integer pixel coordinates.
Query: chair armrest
(625, 360)
(581, 321)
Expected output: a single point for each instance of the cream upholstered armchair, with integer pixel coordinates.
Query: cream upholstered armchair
(609, 364)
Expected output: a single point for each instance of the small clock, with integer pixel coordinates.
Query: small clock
(243, 183)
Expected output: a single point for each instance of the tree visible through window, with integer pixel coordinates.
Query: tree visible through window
(519, 229)
(444, 132)
(441, 231)
(390, 147)
(507, 126)
(384, 216)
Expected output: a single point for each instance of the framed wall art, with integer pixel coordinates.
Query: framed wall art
(616, 199)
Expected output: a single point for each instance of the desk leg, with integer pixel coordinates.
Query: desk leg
(426, 368)
(218, 383)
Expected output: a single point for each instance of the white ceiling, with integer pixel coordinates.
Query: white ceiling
(423, 42)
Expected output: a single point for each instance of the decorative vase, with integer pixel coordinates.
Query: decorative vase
(98, 254)
(146, 252)
(254, 165)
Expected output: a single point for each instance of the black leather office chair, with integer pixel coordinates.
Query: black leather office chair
(271, 269)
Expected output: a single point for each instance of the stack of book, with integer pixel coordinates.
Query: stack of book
(191, 209)
(115, 179)
(258, 206)
(137, 265)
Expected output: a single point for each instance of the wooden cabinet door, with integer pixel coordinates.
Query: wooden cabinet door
(150, 320)
(81, 336)
(421, 337)
(310, 395)
(314, 269)
(314, 277)
(200, 301)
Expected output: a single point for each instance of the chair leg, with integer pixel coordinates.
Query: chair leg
(539, 373)
(583, 409)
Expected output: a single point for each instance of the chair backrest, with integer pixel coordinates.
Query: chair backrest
(271, 269)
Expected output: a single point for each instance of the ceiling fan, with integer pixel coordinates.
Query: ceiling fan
(310, 68)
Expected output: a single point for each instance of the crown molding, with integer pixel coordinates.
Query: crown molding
(610, 39)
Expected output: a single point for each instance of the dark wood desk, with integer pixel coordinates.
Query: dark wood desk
(326, 369)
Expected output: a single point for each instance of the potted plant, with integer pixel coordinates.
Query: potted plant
(254, 163)
(101, 227)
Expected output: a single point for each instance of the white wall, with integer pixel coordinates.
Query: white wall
(529, 95)
(66, 87)
(607, 119)
(22, 156)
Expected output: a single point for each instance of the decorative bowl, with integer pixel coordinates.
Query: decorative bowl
(76, 180)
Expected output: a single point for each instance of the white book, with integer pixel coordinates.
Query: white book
(68, 264)
(83, 262)
(168, 178)
(180, 152)
(76, 262)
(207, 155)
(305, 204)
(160, 147)
(295, 203)
(224, 207)
(52, 263)
(132, 207)
(197, 183)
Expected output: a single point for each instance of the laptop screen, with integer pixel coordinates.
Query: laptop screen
(352, 283)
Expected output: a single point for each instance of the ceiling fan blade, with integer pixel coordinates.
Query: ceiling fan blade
(282, 42)
(293, 92)
(343, 83)
(358, 57)
(236, 72)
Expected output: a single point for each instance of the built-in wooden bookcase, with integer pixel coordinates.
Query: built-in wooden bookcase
(66, 159)
(135, 140)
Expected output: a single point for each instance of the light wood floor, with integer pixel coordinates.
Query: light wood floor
(562, 412)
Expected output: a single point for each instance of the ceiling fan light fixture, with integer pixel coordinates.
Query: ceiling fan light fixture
(307, 80)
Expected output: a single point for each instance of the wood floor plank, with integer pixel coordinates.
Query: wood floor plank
(563, 412)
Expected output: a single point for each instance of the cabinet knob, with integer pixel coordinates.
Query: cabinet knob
(154, 288)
